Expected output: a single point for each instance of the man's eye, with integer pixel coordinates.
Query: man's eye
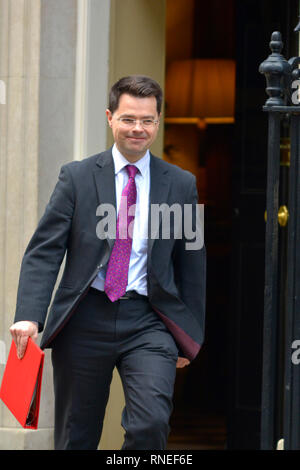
(147, 122)
(128, 121)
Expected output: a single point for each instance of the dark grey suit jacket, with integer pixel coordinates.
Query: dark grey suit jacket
(176, 277)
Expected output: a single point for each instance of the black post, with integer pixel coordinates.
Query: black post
(292, 367)
(271, 287)
(281, 102)
(276, 69)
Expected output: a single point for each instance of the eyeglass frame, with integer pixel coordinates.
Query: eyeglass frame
(133, 123)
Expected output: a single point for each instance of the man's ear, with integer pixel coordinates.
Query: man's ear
(159, 116)
(109, 116)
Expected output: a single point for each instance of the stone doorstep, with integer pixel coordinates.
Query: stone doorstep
(26, 439)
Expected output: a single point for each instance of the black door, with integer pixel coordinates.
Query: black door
(255, 21)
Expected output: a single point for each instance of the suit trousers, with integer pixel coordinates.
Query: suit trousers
(100, 336)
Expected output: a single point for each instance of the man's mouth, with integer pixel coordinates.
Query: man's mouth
(135, 138)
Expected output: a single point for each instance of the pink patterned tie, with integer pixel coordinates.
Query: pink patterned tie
(117, 271)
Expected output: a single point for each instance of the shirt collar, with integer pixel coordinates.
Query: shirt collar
(120, 161)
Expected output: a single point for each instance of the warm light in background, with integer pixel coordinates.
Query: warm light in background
(202, 88)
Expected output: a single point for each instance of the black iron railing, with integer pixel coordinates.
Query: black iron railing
(283, 103)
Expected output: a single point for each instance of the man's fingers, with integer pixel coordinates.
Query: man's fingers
(182, 362)
(14, 336)
(22, 344)
(21, 340)
(35, 335)
(20, 332)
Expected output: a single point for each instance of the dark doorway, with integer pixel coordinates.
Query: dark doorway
(217, 399)
(202, 33)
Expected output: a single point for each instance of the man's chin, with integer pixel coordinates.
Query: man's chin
(136, 144)
(134, 154)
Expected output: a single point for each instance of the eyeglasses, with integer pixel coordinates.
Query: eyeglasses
(129, 122)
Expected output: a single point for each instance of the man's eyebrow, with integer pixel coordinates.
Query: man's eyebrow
(132, 116)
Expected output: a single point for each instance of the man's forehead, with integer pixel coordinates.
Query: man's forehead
(134, 103)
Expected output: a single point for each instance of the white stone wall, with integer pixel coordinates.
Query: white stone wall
(19, 163)
(39, 62)
(57, 58)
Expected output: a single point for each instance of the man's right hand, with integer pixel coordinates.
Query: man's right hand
(20, 332)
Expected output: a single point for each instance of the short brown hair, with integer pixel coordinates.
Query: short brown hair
(139, 86)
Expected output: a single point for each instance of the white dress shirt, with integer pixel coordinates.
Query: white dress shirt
(137, 274)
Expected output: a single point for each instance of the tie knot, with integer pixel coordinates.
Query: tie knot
(131, 170)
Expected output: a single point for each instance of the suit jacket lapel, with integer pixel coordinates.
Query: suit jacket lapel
(159, 189)
(104, 175)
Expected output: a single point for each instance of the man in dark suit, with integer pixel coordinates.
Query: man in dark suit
(132, 300)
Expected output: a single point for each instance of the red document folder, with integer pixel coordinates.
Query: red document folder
(21, 384)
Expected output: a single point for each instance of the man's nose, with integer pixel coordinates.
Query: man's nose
(138, 126)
